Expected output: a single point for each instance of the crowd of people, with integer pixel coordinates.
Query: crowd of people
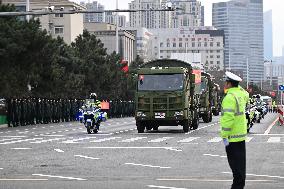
(30, 111)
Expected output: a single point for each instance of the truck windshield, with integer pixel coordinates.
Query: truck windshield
(161, 82)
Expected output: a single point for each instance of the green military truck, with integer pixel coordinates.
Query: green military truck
(206, 96)
(166, 95)
(216, 104)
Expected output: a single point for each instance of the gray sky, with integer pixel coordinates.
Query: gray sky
(275, 5)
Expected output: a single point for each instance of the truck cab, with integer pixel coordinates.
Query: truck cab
(164, 97)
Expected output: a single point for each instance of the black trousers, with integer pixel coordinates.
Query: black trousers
(236, 154)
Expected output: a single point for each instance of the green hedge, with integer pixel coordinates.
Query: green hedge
(3, 119)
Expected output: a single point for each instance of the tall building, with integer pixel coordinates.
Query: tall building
(67, 26)
(110, 18)
(206, 41)
(149, 19)
(94, 17)
(268, 35)
(242, 21)
(190, 14)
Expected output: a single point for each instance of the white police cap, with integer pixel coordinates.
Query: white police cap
(232, 77)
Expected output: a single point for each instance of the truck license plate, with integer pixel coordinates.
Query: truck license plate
(160, 115)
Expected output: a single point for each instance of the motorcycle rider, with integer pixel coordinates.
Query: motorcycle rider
(91, 104)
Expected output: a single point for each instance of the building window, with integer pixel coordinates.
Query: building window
(58, 29)
(174, 44)
(193, 44)
(168, 44)
(199, 44)
(180, 44)
(211, 56)
(161, 44)
(218, 51)
(218, 62)
(180, 39)
(211, 62)
(161, 57)
(192, 39)
(205, 44)
(211, 51)
(59, 15)
(218, 44)
(186, 39)
(218, 56)
(211, 44)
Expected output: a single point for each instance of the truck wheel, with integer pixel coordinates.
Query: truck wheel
(215, 113)
(155, 128)
(148, 127)
(140, 127)
(186, 125)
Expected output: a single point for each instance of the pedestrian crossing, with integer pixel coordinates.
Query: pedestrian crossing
(5, 140)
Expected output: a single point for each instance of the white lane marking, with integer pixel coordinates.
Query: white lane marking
(26, 129)
(48, 140)
(116, 132)
(66, 130)
(215, 139)
(269, 176)
(43, 127)
(13, 136)
(47, 135)
(86, 157)
(51, 126)
(58, 150)
(268, 134)
(160, 139)
(18, 141)
(133, 139)
(190, 139)
(59, 131)
(131, 129)
(121, 131)
(214, 155)
(270, 127)
(211, 180)
(73, 129)
(21, 148)
(152, 166)
(23, 179)
(164, 187)
(274, 139)
(34, 128)
(106, 139)
(1, 168)
(249, 139)
(7, 139)
(53, 132)
(126, 130)
(200, 128)
(146, 147)
(77, 140)
(54, 176)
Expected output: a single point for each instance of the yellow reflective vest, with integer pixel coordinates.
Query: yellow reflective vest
(233, 119)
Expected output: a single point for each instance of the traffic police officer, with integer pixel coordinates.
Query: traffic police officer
(234, 128)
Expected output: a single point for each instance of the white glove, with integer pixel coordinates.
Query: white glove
(226, 142)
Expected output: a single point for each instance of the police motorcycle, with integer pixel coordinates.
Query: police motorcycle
(250, 116)
(93, 116)
(259, 109)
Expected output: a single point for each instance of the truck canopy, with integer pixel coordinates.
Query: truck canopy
(166, 63)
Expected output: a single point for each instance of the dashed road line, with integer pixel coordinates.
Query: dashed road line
(86, 157)
(152, 166)
(164, 187)
(62, 177)
(274, 140)
(106, 139)
(18, 141)
(133, 139)
(215, 139)
(190, 139)
(58, 150)
(214, 155)
(21, 148)
(45, 141)
(160, 139)
(248, 174)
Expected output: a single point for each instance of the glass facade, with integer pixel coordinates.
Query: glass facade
(242, 22)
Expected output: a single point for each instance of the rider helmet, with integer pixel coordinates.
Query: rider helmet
(93, 96)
